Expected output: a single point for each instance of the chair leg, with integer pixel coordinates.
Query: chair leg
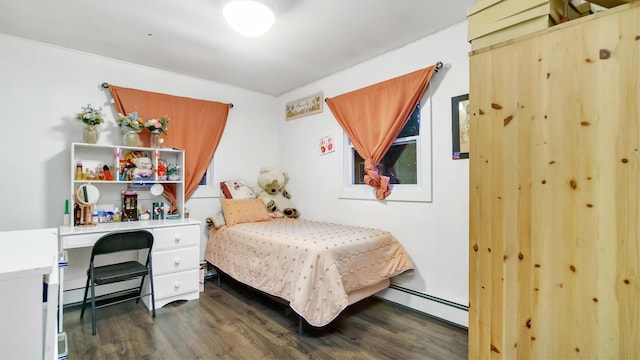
(84, 300)
(93, 308)
(140, 289)
(153, 296)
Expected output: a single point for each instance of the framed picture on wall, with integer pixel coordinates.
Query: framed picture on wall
(309, 105)
(460, 126)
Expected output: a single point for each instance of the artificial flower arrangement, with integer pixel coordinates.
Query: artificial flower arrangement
(157, 125)
(131, 122)
(90, 116)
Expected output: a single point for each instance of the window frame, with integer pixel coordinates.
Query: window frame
(208, 190)
(420, 192)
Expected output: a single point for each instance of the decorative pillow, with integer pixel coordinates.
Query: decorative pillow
(237, 189)
(243, 211)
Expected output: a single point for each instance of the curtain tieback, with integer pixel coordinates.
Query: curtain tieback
(373, 179)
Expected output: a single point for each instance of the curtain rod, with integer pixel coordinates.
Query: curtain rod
(105, 85)
(439, 65)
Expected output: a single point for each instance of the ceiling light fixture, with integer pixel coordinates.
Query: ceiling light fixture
(248, 17)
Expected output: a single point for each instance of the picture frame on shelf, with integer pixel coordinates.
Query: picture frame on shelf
(460, 126)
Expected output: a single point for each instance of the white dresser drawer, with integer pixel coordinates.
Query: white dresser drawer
(175, 284)
(168, 261)
(177, 236)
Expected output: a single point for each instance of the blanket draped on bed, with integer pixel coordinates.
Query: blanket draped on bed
(313, 265)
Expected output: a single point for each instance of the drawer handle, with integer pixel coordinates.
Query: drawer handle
(176, 285)
(177, 238)
(176, 261)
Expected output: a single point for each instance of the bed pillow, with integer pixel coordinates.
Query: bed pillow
(243, 211)
(237, 189)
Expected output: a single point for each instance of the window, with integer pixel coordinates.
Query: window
(206, 188)
(400, 161)
(404, 164)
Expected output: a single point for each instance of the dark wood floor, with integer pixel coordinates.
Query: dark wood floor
(235, 322)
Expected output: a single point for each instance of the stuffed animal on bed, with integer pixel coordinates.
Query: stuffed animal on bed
(271, 190)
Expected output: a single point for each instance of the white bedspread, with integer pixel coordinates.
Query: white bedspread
(313, 265)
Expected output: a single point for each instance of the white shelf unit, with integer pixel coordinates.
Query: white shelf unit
(95, 157)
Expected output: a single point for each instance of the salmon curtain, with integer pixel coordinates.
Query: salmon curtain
(373, 117)
(195, 126)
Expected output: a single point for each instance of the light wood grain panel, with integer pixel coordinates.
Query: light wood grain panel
(484, 241)
(475, 212)
(557, 168)
(508, 197)
(526, 120)
(624, 85)
(496, 240)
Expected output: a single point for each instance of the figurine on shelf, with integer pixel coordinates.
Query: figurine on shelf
(172, 172)
(162, 170)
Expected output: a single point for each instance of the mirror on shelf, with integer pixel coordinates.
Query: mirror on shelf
(86, 196)
(157, 189)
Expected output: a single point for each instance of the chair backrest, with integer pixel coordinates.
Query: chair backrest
(122, 241)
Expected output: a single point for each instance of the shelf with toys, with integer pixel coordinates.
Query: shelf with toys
(111, 183)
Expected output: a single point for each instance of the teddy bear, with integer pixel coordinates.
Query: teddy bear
(143, 167)
(271, 190)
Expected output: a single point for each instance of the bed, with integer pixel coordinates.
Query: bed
(318, 268)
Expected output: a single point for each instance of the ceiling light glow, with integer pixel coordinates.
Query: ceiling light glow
(248, 17)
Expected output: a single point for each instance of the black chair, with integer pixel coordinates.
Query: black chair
(123, 271)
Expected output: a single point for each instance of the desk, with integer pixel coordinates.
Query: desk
(28, 323)
(176, 258)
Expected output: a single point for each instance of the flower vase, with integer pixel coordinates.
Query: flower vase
(155, 139)
(131, 138)
(90, 134)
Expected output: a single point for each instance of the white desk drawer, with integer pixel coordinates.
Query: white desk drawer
(175, 284)
(84, 240)
(177, 236)
(89, 239)
(175, 260)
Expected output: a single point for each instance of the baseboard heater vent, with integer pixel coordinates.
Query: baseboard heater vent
(429, 297)
(437, 300)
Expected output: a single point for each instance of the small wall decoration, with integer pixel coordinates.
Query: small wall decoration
(309, 105)
(326, 145)
(460, 126)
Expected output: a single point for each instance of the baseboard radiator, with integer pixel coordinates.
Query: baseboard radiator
(433, 306)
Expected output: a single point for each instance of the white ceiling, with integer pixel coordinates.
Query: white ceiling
(311, 39)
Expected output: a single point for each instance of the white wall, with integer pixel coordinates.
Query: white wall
(43, 86)
(434, 233)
